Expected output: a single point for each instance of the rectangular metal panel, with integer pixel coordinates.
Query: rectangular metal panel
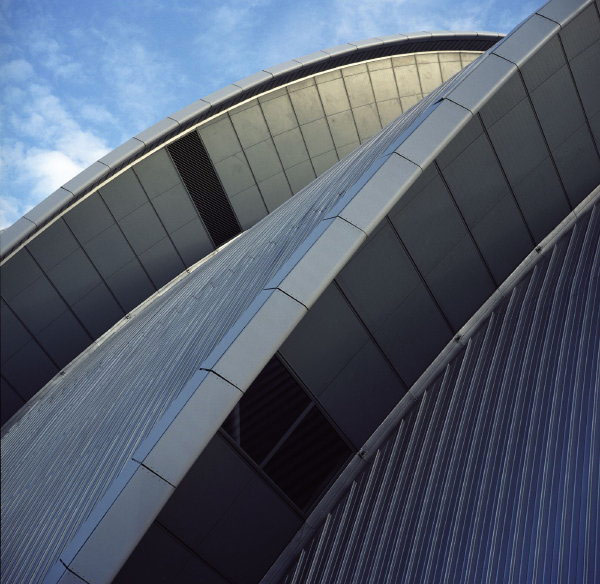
(389, 110)
(162, 262)
(324, 342)
(219, 138)
(64, 339)
(14, 334)
(130, 284)
(10, 402)
(123, 194)
(248, 207)
(343, 129)
(98, 310)
(175, 209)
(235, 174)
(435, 235)
(588, 85)
(89, 218)
(362, 394)
(367, 121)
(290, 147)
(54, 244)
(250, 125)
(192, 241)
(109, 251)
(307, 104)
(157, 173)
(142, 228)
(359, 89)
(279, 114)
(275, 190)
(300, 175)
(318, 137)
(324, 161)
(29, 369)
(263, 160)
(333, 96)
(384, 84)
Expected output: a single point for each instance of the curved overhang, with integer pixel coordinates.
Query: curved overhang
(448, 164)
(99, 249)
(202, 110)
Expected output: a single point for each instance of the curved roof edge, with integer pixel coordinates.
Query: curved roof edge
(258, 333)
(18, 234)
(451, 350)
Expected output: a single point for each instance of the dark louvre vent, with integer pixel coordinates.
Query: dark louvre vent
(205, 189)
(278, 425)
(309, 458)
(268, 409)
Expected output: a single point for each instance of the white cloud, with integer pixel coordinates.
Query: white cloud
(16, 71)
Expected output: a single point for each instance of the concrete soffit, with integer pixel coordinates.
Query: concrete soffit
(115, 526)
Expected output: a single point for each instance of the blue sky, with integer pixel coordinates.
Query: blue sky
(79, 78)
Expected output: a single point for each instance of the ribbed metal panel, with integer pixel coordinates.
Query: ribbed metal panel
(494, 475)
(204, 187)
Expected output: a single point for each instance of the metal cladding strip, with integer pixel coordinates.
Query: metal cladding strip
(499, 479)
(178, 123)
(63, 452)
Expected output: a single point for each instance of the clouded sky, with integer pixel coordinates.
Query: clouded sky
(80, 77)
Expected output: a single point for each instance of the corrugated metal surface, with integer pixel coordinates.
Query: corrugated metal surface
(494, 475)
(62, 451)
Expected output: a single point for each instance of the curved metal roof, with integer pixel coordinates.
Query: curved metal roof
(190, 116)
(106, 430)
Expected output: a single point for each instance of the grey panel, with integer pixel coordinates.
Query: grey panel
(162, 262)
(384, 83)
(174, 208)
(300, 175)
(235, 174)
(122, 153)
(157, 173)
(558, 107)
(324, 161)
(98, 310)
(250, 125)
(429, 73)
(362, 394)
(219, 138)
(256, 528)
(74, 276)
(18, 273)
(157, 130)
(130, 284)
(28, 369)
(38, 305)
(10, 401)
(367, 121)
(142, 228)
(333, 95)
(249, 207)
(581, 32)
(223, 499)
(386, 291)
(437, 239)
(529, 168)
(263, 160)
(485, 200)
(109, 251)
(160, 558)
(291, 148)
(123, 194)
(14, 334)
(279, 114)
(325, 341)
(407, 77)
(64, 338)
(86, 177)
(307, 104)
(192, 242)
(343, 129)
(318, 137)
(389, 110)
(275, 191)
(89, 218)
(578, 164)
(588, 85)
(53, 245)
(359, 89)
(14, 234)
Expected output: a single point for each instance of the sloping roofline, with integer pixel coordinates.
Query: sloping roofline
(35, 220)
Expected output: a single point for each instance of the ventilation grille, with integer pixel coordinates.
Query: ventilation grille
(205, 189)
(282, 430)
